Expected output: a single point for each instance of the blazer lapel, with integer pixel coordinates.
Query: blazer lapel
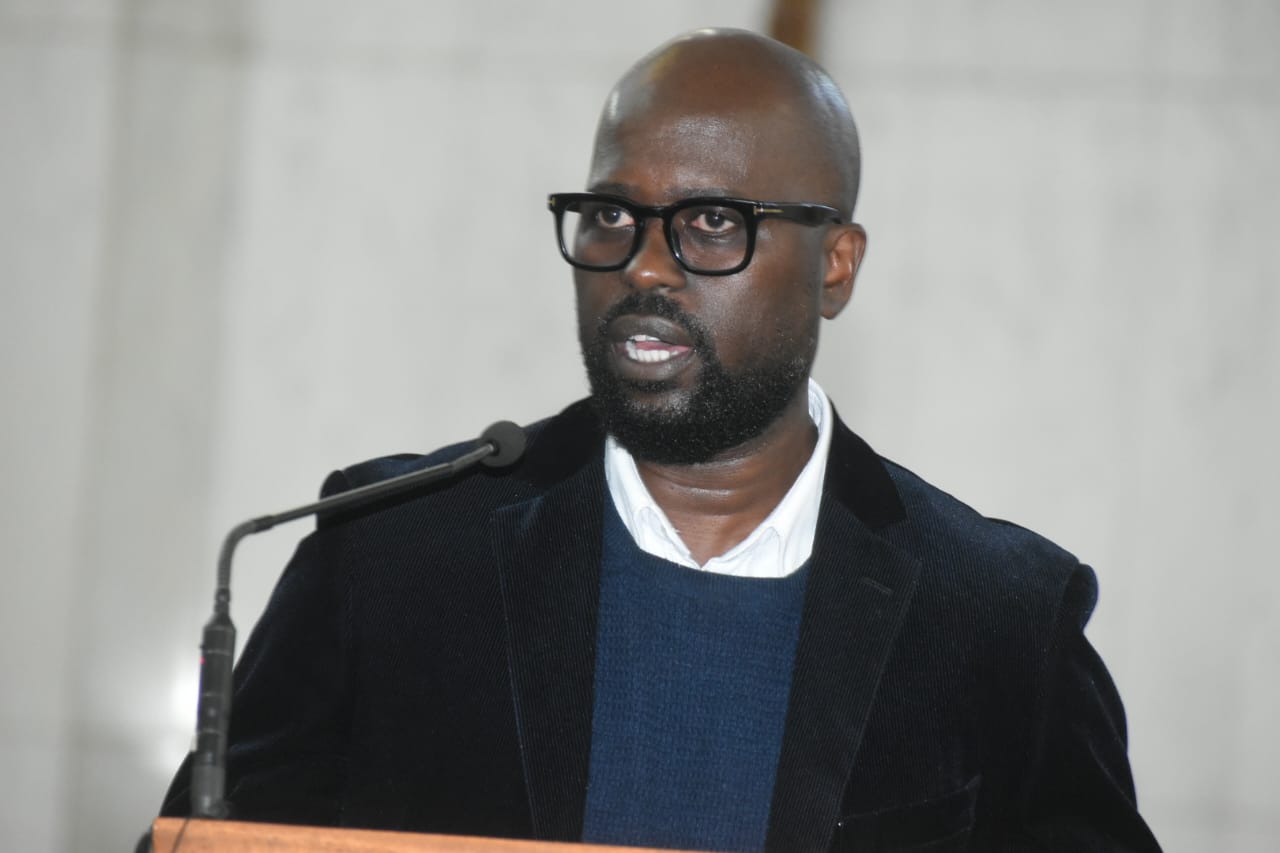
(859, 588)
(547, 550)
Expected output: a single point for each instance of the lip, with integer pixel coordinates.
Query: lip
(630, 325)
(646, 348)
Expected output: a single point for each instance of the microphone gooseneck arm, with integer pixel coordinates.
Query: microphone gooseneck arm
(499, 445)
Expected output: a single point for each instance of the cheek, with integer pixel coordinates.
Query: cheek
(590, 299)
(774, 310)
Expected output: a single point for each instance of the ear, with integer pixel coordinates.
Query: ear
(845, 246)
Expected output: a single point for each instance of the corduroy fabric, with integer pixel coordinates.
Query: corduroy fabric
(427, 665)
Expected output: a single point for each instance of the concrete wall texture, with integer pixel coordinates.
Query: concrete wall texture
(243, 243)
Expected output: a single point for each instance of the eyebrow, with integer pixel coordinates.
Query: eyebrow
(676, 193)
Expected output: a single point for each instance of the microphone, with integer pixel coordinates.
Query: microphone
(508, 442)
(500, 445)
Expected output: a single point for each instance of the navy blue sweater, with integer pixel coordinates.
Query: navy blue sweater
(693, 673)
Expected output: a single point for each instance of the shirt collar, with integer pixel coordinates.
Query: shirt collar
(776, 548)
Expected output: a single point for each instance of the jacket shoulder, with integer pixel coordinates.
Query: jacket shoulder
(1007, 580)
(964, 531)
(556, 447)
(941, 532)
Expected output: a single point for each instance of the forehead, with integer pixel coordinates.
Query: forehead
(663, 146)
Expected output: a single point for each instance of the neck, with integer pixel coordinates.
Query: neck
(716, 504)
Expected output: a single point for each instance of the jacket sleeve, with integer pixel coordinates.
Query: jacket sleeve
(1079, 794)
(290, 712)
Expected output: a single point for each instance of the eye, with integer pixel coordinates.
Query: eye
(607, 216)
(721, 221)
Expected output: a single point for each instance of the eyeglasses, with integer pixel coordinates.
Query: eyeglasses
(707, 236)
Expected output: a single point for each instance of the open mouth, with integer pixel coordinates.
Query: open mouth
(648, 349)
(647, 346)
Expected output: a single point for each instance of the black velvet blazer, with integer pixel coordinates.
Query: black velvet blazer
(427, 665)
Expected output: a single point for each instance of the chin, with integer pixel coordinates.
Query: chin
(690, 426)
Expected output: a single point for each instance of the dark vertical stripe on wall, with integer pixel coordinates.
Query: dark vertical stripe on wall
(794, 22)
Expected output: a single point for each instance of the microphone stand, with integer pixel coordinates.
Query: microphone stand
(501, 444)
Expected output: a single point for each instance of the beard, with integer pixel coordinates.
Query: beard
(723, 411)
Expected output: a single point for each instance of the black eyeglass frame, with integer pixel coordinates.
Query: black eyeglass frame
(804, 213)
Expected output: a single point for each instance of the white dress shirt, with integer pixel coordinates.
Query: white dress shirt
(780, 545)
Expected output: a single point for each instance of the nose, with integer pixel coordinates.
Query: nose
(653, 264)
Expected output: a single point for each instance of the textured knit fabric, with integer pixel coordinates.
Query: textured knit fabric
(693, 673)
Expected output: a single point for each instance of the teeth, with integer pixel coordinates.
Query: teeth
(647, 356)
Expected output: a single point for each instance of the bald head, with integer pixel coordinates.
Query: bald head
(764, 87)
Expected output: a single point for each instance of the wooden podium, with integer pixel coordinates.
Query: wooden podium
(180, 835)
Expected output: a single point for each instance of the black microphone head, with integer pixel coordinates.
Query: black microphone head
(508, 442)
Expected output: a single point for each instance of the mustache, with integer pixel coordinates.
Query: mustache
(653, 304)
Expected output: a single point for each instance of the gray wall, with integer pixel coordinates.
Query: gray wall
(242, 243)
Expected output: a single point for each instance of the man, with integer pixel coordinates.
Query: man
(700, 612)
